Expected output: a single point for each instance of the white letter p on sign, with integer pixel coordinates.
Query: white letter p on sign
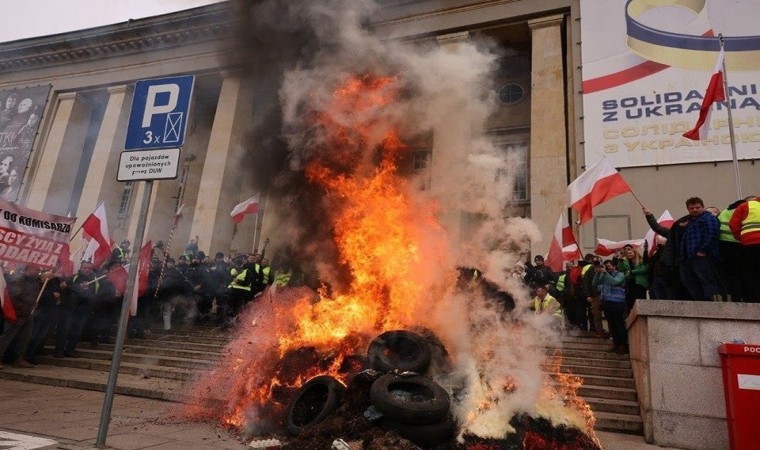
(150, 102)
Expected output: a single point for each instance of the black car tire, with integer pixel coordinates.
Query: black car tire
(410, 399)
(316, 400)
(399, 350)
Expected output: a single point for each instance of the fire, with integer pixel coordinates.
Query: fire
(567, 390)
(396, 254)
(378, 231)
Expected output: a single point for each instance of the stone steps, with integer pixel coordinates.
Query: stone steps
(136, 385)
(128, 356)
(583, 371)
(608, 386)
(146, 370)
(163, 365)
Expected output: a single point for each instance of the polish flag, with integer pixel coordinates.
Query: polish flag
(6, 304)
(715, 93)
(563, 246)
(143, 270)
(605, 247)
(665, 220)
(95, 228)
(599, 183)
(250, 206)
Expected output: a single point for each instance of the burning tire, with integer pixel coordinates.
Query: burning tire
(316, 400)
(423, 435)
(399, 350)
(412, 400)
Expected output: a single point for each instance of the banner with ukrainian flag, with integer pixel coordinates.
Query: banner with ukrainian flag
(645, 66)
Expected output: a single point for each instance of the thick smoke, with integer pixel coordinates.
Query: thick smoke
(307, 48)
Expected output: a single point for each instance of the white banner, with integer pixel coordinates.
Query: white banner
(645, 71)
(33, 237)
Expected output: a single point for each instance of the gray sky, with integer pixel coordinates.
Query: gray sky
(21, 19)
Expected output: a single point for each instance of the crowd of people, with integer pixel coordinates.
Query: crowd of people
(707, 255)
(192, 288)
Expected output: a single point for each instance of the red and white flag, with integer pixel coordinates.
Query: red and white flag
(250, 206)
(606, 247)
(599, 183)
(143, 270)
(9, 311)
(563, 247)
(715, 93)
(95, 227)
(665, 220)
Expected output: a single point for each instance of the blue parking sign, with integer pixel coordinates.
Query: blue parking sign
(159, 114)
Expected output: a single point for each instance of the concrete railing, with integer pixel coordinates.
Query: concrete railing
(677, 369)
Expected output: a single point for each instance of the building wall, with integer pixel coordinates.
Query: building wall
(677, 368)
(92, 73)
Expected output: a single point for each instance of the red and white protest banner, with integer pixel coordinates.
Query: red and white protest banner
(33, 237)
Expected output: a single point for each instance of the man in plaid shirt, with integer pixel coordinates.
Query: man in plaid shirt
(699, 252)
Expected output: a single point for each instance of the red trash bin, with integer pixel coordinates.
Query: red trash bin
(741, 386)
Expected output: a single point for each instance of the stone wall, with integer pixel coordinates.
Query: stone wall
(677, 368)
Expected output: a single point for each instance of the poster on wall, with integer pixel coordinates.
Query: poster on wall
(20, 114)
(646, 67)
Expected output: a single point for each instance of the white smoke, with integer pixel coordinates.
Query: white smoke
(446, 92)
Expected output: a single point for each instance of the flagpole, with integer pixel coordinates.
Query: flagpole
(737, 180)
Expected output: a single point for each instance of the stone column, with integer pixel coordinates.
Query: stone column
(100, 182)
(548, 138)
(450, 146)
(221, 183)
(58, 163)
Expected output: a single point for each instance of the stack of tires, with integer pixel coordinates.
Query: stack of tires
(412, 405)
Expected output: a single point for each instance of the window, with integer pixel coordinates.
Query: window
(511, 93)
(517, 156)
(515, 148)
(420, 161)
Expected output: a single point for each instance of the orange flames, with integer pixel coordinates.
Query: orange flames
(390, 242)
(387, 240)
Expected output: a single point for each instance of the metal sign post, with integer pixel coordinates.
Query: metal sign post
(113, 373)
(156, 131)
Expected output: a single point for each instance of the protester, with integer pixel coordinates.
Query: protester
(611, 285)
(538, 274)
(170, 292)
(594, 300)
(23, 289)
(543, 303)
(699, 252)
(45, 313)
(636, 273)
(120, 254)
(239, 290)
(669, 256)
(730, 264)
(79, 296)
(140, 323)
(745, 226)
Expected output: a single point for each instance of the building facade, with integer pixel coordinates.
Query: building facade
(87, 78)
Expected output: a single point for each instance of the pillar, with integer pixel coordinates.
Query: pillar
(100, 182)
(221, 183)
(548, 139)
(450, 146)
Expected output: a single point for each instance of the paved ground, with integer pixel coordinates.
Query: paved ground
(71, 417)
